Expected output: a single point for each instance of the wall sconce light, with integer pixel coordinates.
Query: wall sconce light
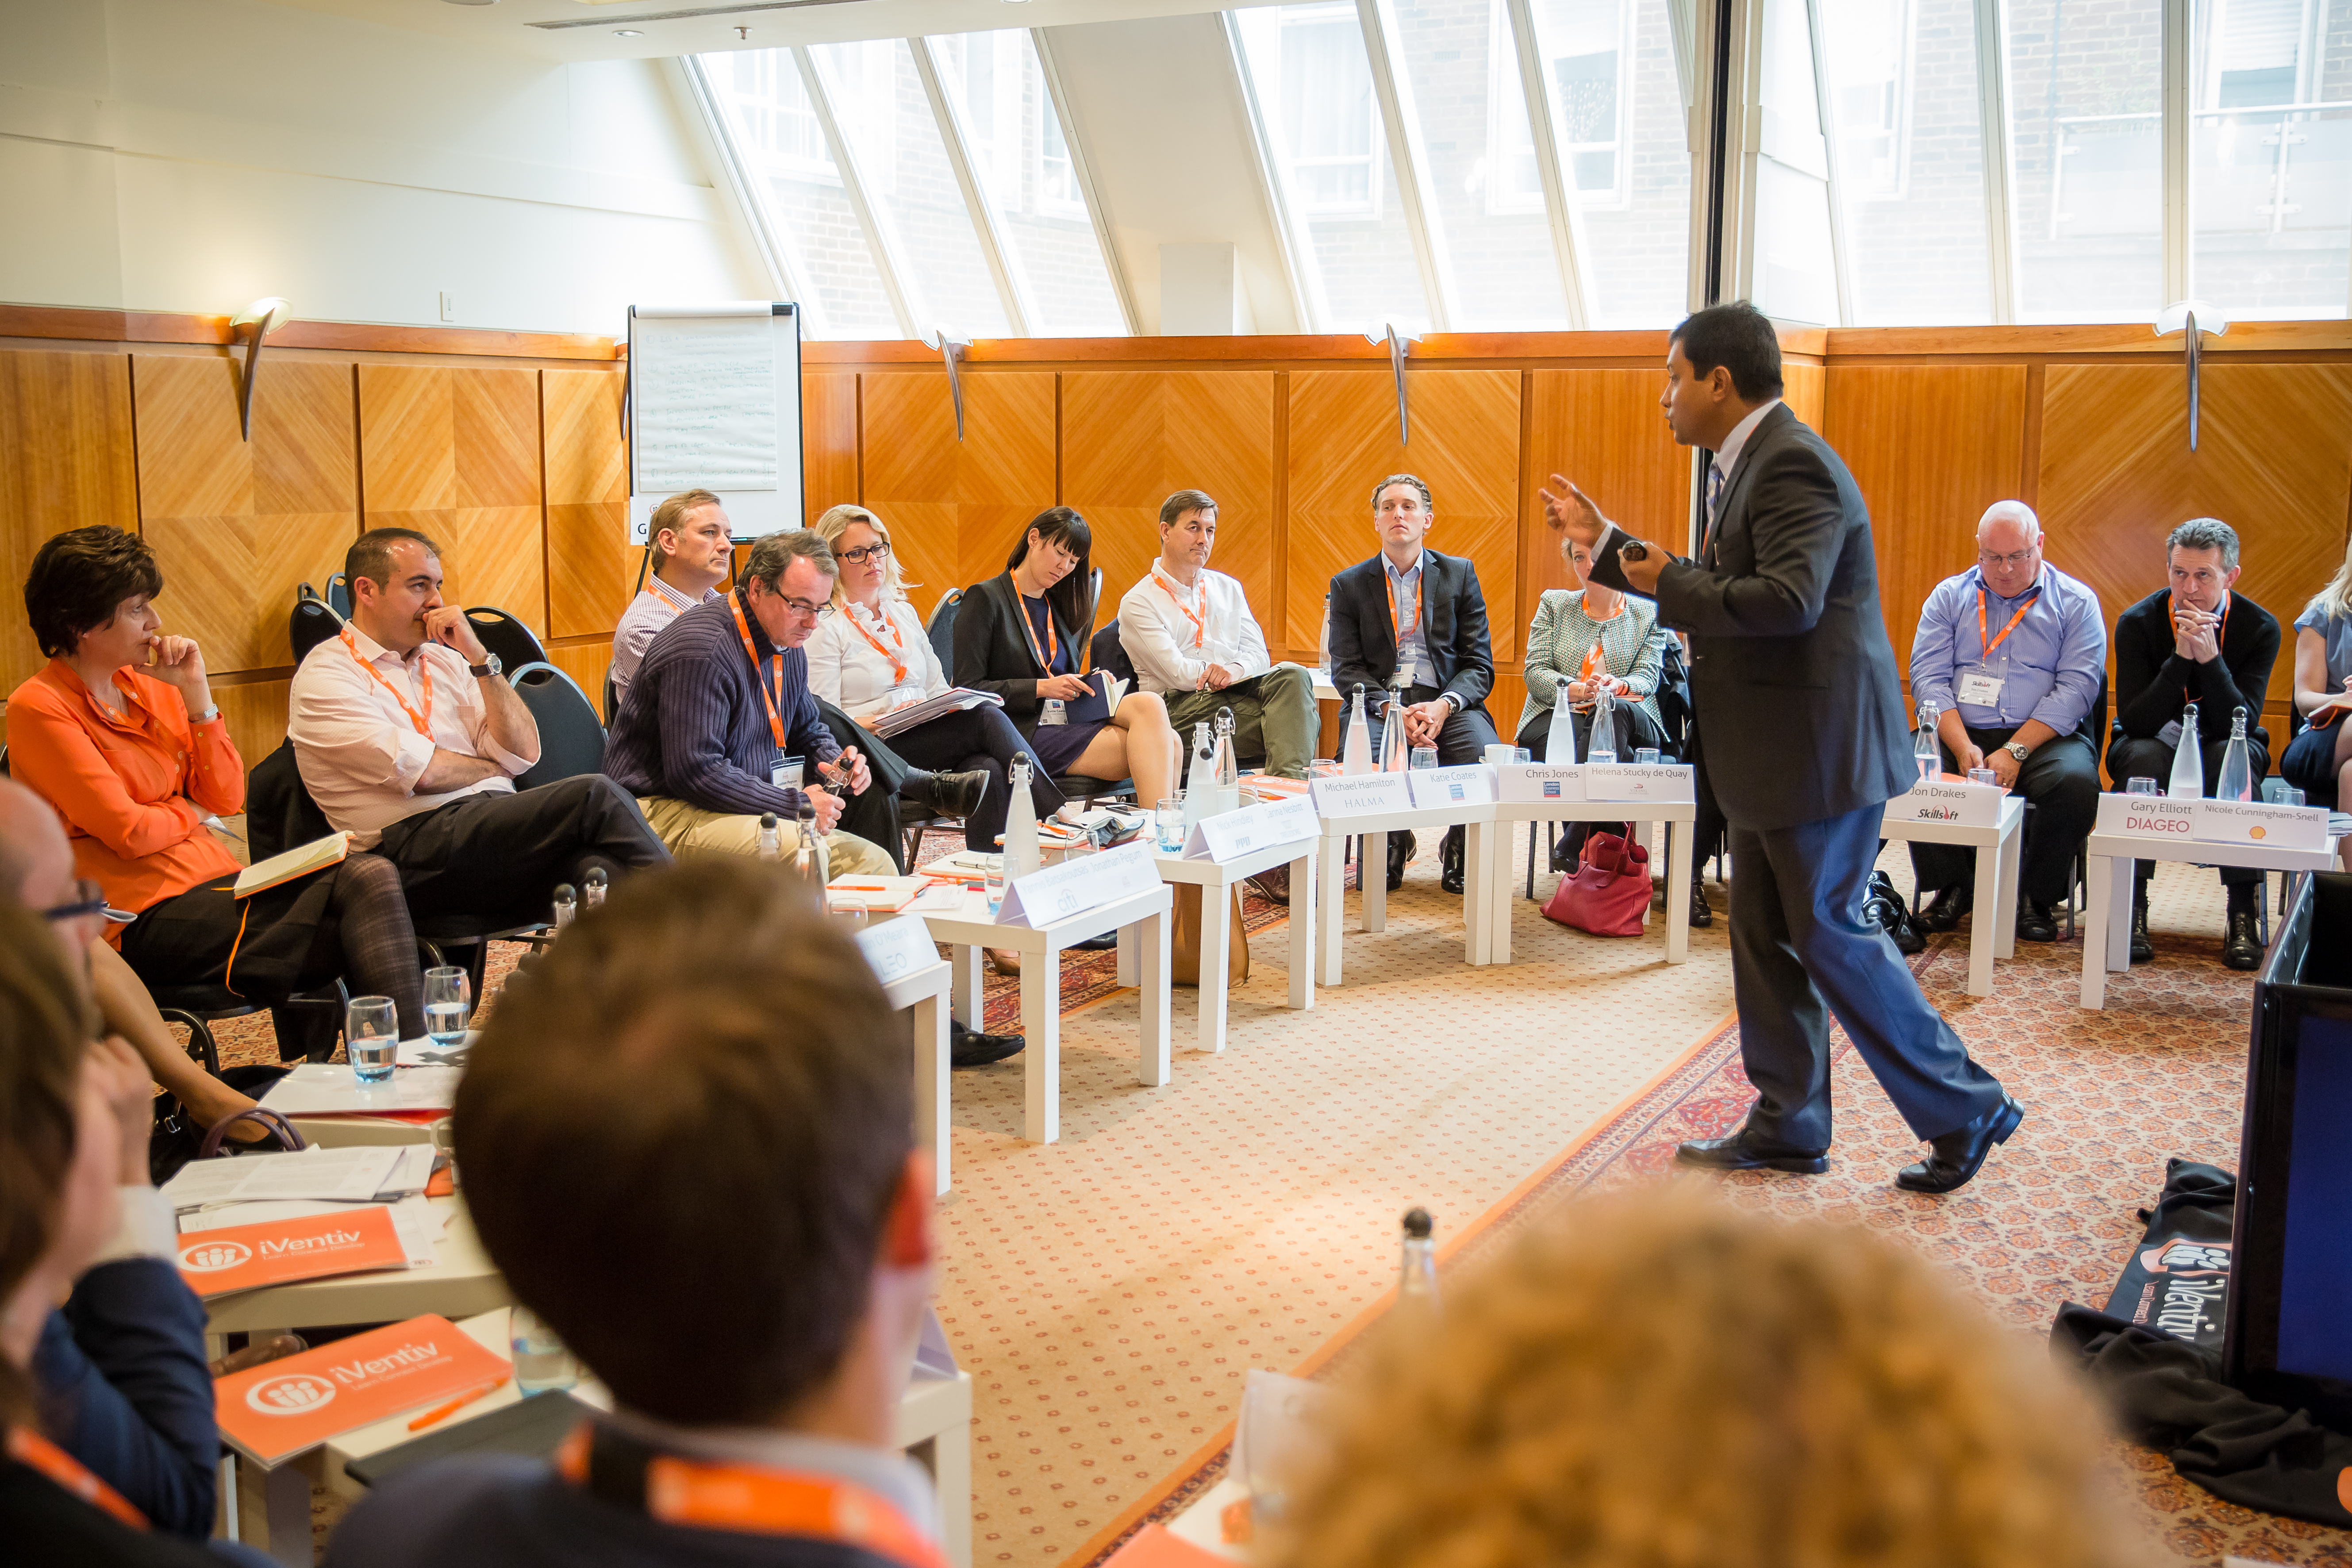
(2184, 315)
(264, 317)
(1396, 342)
(951, 350)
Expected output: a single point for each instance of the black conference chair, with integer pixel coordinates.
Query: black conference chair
(338, 596)
(1107, 652)
(612, 697)
(308, 1022)
(313, 621)
(515, 643)
(940, 628)
(571, 740)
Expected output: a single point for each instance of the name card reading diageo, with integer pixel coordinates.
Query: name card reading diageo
(1657, 783)
(2257, 823)
(895, 949)
(1537, 784)
(2146, 817)
(1361, 795)
(1948, 804)
(1080, 883)
(1232, 834)
(1471, 784)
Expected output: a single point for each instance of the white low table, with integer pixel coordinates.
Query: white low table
(1678, 819)
(924, 994)
(969, 931)
(460, 1282)
(2107, 933)
(1477, 875)
(1992, 929)
(1216, 883)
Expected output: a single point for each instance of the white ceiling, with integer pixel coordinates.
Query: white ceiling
(588, 29)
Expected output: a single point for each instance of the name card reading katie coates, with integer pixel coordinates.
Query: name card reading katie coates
(1540, 783)
(2146, 817)
(1361, 795)
(896, 948)
(1080, 883)
(1231, 835)
(1646, 784)
(1948, 804)
(1471, 784)
(2257, 823)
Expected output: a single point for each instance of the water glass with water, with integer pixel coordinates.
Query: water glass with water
(1168, 822)
(541, 1363)
(448, 1003)
(1645, 756)
(995, 890)
(1522, 755)
(1423, 757)
(2289, 796)
(371, 1037)
(2139, 786)
(1982, 776)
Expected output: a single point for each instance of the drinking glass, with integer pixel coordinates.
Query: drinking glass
(1424, 757)
(1521, 754)
(1981, 776)
(542, 1362)
(448, 1003)
(1322, 768)
(1168, 821)
(1645, 756)
(2289, 796)
(995, 890)
(2139, 786)
(371, 1037)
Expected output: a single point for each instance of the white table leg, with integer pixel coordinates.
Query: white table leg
(1216, 945)
(1679, 836)
(1501, 878)
(1477, 899)
(2095, 932)
(1127, 970)
(1041, 1020)
(951, 1483)
(930, 1016)
(964, 986)
(1993, 916)
(1332, 890)
(2012, 858)
(1372, 878)
(274, 1511)
(1153, 1067)
(2119, 908)
(1302, 913)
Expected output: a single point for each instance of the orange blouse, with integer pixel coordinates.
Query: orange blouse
(133, 790)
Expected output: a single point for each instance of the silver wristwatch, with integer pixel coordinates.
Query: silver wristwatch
(489, 666)
(2014, 750)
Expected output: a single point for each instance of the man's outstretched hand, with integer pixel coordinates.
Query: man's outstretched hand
(1573, 512)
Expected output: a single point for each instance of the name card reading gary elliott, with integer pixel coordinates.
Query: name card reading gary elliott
(1657, 783)
(1948, 804)
(1080, 883)
(281, 1408)
(1538, 784)
(1361, 795)
(1230, 835)
(2259, 824)
(2146, 817)
(896, 948)
(1471, 784)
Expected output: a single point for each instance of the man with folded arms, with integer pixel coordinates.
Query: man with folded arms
(2011, 652)
(713, 1195)
(409, 738)
(693, 550)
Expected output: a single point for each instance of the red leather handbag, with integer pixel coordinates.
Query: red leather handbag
(1609, 894)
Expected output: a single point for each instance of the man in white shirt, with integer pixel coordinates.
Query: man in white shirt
(694, 548)
(1192, 638)
(409, 738)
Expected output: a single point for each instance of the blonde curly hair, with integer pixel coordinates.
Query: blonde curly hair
(1667, 1382)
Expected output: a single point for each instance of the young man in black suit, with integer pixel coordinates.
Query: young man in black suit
(1801, 733)
(1428, 604)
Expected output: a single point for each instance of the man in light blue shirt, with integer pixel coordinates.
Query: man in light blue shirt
(2012, 653)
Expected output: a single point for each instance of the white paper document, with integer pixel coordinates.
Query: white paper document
(352, 1175)
(706, 400)
(326, 1089)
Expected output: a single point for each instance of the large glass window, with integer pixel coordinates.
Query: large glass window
(2270, 159)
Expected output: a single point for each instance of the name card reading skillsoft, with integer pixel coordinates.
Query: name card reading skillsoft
(1233, 834)
(896, 948)
(1081, 883)
(1361, 795)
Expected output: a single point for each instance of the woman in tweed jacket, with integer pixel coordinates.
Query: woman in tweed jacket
(1583, 636)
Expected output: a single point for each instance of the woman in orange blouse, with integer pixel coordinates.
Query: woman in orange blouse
(118, 733)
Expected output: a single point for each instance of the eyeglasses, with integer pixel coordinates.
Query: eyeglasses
(874, 552)
(2014, 558)
(87, 900)
(805, 610)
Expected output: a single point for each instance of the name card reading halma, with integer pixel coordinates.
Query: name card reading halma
(1361, 795)
(1231, 835)
(1471, 784)
(898, 948)
(1080, 883)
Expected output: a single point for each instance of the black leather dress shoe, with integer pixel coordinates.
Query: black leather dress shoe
(1400, 853)
(1453, 858)
(1741, 1152)
(2240, 949)
(1945, 909)
(2143, 948)
(1701, 914)
(948, 794)
(1955, 1157)
(1884, 906)
(970, 1048)
(2036, 921)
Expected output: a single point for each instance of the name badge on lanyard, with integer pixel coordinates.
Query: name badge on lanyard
(786, 773)
(1055, 712)
(1979, 689)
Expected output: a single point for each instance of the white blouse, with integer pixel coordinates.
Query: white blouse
(847, 669)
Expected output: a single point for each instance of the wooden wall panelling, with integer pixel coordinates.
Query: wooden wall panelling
(591, 568)
(586, 663)
(256, 711)
(1130, 439)
(1465, 444)
(238, 524)
(1931, 446)
(954, 509)
(828, 440)
(2274, 461)
(66, 461)
(455, 453)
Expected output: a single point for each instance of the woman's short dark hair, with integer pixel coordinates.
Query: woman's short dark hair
(1072, 598)
(1740, 339)
(80, 577)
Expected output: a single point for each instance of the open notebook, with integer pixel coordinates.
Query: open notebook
(299, 861)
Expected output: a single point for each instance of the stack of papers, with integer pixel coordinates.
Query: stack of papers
(954, 699)
(347, 1175)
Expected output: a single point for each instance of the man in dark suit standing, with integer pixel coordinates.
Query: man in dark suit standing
(1410, 610)
(1802, 734)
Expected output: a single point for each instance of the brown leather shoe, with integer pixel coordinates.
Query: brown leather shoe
(1273, 885)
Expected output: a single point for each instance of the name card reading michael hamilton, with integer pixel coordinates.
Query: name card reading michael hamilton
(1361, 795)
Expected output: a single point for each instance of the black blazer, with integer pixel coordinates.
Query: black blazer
(1363, 643)
(1799, 709)
(2154, 683)
(992, 651)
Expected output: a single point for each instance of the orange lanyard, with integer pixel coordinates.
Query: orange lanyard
(1996, 642)
(776, 667)
(1396, 632)
(424, 721)
(898, 665)
(1046, 656)
(37, 1453)
(1200, 621)
(757, 1499)
(1596, 658)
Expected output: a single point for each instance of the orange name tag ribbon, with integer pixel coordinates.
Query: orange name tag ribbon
(277, 1252)
(282, 1407)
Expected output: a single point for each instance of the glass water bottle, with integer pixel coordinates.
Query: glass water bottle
(2237, 780)
(1560, 740)
(1603, 752)
(1417, 1267)
(1356, 753)
(2188, 760)
(1924, 750)
(1020, 854)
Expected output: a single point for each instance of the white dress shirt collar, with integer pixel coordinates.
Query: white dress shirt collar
(1727, 457)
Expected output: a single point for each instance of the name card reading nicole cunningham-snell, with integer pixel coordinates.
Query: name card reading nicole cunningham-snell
(1361, 795)
(2146, 817)
(1538, 783)
(895, 949)
(1080, 883)
(2258, 823)
(1654, 783)
(1470, 783)
(1948, 804)
(1230, 835)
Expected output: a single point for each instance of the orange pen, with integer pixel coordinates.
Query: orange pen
(442, 1411)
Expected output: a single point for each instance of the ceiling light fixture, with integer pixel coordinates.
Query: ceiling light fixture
(264, 316)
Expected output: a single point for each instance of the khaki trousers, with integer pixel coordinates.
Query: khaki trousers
(1273, 714)
(689, 830)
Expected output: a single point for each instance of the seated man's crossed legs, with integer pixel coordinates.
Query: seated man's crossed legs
(1275, 717)
(690, 831)
(499, 856)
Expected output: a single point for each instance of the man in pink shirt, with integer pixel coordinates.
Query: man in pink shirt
(409, 738)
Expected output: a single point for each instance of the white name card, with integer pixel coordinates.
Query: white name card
(1080, 883)
(1471, 784)
(2256, 822)
(2148, 816)
(1361, 795)
(1655, 783)
(1948, 804)
(896, 948)
(1235, 834)
(1535, 783)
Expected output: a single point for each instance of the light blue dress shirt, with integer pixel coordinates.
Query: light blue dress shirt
(1412, 641)
(2049, 667)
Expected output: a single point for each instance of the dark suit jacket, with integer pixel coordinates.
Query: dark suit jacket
(1800, 711)
(992, 651)
(1363, 644)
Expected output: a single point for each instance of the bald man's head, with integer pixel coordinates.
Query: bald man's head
(36, 865)
(2009, 547)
